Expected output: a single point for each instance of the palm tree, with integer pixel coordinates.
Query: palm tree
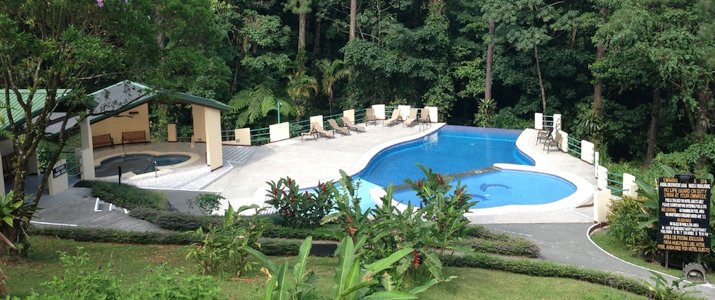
(299, 87)
(332, 72)
(255, 103)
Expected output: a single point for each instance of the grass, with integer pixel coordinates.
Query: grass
(132, 262)
(617, 249)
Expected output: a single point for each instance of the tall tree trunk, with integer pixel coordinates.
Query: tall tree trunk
(701, 125)
(301, 31)
(653, 128)
(597, 104)
(316, 37)
(353, 17)
(541, 80)
(490, 61)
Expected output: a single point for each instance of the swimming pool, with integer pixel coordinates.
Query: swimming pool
(462, 151)
(136, 163)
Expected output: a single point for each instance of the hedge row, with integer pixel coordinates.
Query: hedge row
(178, 221)
(546, 269)
(128, 196)
(173, 220)
(514, 247)
(81, 234)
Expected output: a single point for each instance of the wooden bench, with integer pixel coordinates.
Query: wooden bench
(102, 140)
(129, 137)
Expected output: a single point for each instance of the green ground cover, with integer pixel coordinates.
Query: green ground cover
(131, 262)
(613, 246)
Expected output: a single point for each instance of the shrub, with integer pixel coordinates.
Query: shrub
(487, 241)
(300, 208)
(128, 196)
(206, 203)
(82, 234)
(174, 220)
(223, 248)
(624, 224)
(545, 269)
(80, 281)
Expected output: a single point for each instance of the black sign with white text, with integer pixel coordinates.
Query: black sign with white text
(684, 215)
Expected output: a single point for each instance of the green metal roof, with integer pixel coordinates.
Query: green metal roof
(38, 103)
(128, 94)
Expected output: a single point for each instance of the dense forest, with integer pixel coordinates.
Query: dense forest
(635, 76)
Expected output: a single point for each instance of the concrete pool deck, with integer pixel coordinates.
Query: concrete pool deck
(309, 161)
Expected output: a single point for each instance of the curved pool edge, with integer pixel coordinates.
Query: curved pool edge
(365, 158)
(583, 194)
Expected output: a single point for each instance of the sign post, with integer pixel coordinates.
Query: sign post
(684, 214)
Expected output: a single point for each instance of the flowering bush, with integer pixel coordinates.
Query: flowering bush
(300, 208)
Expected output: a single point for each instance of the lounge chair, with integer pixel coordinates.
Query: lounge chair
(351, 126)
(544, 135)
(394, 119)
(411, 119)
(311, 132)
(337, 128)
(370, 116)
(424, 116)
(553, 142)
(318, 128)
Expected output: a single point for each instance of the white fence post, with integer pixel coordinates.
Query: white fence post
(630, 188)
(601, 203)
(279, 132)
(602, 178)
(587, 151)
(379, 110)
(596, 163)
(557, 122)
(564, 141)
(538, 121)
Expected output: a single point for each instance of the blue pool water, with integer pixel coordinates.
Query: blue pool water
(459, 150)
(505, 187)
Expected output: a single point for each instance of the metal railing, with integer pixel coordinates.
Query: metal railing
(574, 147)
(615, 184)
(260, 136)
(548, 121)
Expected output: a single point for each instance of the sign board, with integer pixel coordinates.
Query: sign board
(59, 170)
(684, 214)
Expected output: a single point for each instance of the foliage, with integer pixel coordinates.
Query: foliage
(485, 113)
(207, 203)
(15, 215)
(3, 289)
(300, 208)
(624, 222)
(251, 105)
(223, 248)
(354, 279)
(128, 196)
(697, 158)
(332, 72)
(661, 290)
(439, 224)
(545, 269)
(483, 240)
(81, 281)
(174, 220)
(506, 118)
(299, 89)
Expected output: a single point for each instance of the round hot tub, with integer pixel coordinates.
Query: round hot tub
(137, 163)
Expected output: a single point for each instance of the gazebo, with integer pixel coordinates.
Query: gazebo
(121, 115)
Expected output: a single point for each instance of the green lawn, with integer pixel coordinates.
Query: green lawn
(132, 262)
(615, 247)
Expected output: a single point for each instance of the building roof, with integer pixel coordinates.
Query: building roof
(38, 103)
(128, 94)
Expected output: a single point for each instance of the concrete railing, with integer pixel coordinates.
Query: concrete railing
(608, 183)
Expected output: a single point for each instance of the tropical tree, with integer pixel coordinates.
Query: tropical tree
(251, 105)
(299, 90)
(332, 72)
